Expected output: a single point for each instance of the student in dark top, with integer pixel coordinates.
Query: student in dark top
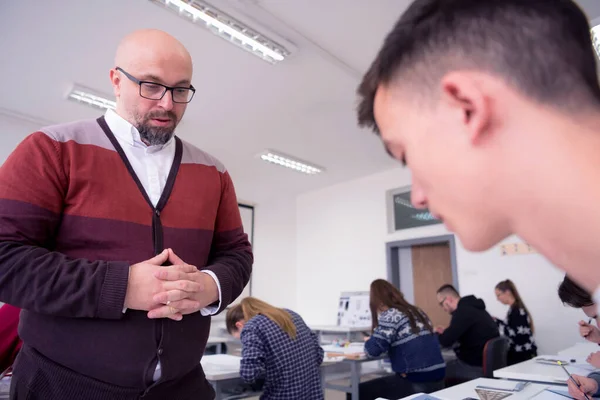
(277, 349)
(518, 326)
(470, 328)
(405, 333)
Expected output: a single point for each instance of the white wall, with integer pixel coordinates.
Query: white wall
(12, 131)
(341, 236)
(273, 276)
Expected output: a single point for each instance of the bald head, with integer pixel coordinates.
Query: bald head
(153, 56)
(146, 47)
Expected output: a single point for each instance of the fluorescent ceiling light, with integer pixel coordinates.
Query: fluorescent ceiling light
(283, 160)
(227, 28)
(91, 98)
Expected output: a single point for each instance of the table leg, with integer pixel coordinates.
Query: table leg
(354, 379)
(218, 390)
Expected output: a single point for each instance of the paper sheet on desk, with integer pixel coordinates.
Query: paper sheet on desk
(552, 394)
(580, 368)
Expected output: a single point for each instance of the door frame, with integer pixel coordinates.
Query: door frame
(393, 259)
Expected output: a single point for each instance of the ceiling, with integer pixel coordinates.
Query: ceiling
(303, 106)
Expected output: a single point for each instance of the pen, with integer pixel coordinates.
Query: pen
(573, 379)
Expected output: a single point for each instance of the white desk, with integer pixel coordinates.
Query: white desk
(221, 370)
(467, 389)
(579, 350)
(533, 371)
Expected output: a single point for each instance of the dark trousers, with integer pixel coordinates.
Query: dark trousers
(458, 371)
(515, 358)
(394, 387)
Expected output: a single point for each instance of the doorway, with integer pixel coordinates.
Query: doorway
(418, 267)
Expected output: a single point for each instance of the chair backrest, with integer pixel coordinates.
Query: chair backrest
(495, 353)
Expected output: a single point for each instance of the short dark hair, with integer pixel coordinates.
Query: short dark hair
(543, 48)
(448, 290)
(574, 295)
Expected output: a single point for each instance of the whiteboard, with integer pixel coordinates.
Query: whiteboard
(247, 214)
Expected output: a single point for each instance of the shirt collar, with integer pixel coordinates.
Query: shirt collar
(128, 133)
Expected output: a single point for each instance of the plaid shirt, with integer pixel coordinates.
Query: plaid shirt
(290, 367)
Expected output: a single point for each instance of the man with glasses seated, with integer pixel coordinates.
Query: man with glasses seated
(118, 240)
(471, 326)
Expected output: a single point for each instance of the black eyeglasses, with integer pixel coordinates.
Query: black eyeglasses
(156, 91)
(441, 303)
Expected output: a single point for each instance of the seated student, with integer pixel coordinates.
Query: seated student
(518, 326)
(404, 332)
(10, 343)
(277, 347)
(470, 327)
(575, 296)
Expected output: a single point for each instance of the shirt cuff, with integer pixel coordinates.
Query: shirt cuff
(211, 310)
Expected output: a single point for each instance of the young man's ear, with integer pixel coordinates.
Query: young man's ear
(463, 91)
(239, 325)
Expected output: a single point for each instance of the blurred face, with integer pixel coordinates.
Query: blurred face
(446, 302)
(449, 162)
(592, 312)
(239, 325)
(504, 297)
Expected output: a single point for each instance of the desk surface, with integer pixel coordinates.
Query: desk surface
(533, 371)
(467, 389)
(221, 366)
(579, 350)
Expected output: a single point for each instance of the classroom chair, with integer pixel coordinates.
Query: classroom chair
(495, 353)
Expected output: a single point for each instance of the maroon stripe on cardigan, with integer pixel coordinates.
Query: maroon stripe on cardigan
(106, 239)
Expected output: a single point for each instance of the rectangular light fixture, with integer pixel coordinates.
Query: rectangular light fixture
(91, 98)
(295, 164)
(227, 28)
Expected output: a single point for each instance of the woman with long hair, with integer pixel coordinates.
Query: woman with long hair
(518, 326)
(405, 333)
(277, 349)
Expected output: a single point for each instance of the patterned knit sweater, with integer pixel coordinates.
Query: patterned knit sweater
(73, 218)
(416, 354)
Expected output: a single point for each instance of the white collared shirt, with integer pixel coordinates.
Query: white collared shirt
(152, 165)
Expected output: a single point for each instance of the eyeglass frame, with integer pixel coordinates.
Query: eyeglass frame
(441, 303)
(167, 88)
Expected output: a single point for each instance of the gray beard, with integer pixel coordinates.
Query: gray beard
(155, 136)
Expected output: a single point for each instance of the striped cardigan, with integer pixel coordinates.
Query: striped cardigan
(73, 218)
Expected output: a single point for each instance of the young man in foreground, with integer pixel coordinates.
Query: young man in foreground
(495, 106)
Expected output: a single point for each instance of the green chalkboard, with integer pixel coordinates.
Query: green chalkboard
(407, 216)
